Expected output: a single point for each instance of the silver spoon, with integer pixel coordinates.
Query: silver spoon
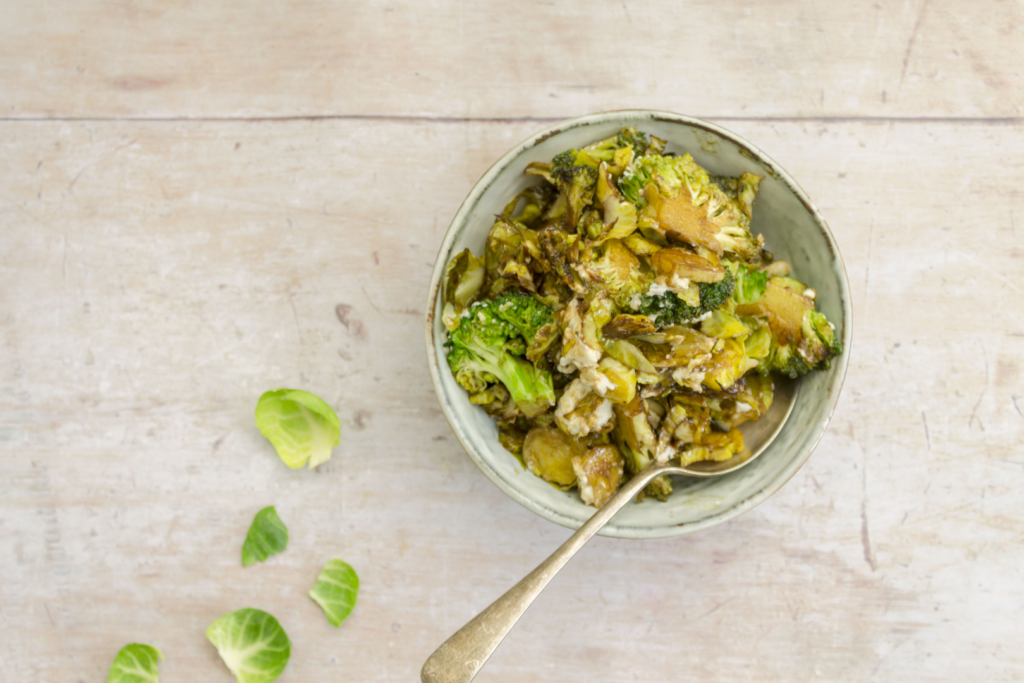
(461, 657)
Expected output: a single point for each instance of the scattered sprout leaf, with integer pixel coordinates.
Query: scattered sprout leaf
(301, 426)
(267, 536)
(135, 663)
(336, 590)
(252, 644)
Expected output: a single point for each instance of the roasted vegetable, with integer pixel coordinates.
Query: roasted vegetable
(575, 175)
(599, 474)
(524, 313)
(485, 348)
(687, 205)
(802, 338)
(667, 308)
(463, 280)
(549, 452)
(620, 271)
(617, 312)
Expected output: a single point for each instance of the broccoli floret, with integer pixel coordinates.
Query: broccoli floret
(523, 312)
(635, 179)
(566, 158)
(668, 309)
(484, 348)
(815, 350)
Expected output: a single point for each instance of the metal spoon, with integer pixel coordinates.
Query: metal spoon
(461, 657)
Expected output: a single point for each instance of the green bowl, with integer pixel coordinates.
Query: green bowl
(793, 230)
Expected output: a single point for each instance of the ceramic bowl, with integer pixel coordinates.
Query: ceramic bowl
(793, 230)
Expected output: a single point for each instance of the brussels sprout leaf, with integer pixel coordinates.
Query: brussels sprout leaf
(301, 426)
(135, 663)
(252, 644)
(750, 285)
(336, 590)
(267, 536)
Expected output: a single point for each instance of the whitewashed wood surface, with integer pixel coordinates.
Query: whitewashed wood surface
(188, 191)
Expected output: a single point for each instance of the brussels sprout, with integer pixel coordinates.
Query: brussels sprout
(640, 246)
(758, 343)
(750, 283)
(267, 536)
(543, 341)
(629, 355)
(599, 474)
(717, 446)
(555, 245)
(548, 453)
(577, 352)
(509, 244)
(633, 430)
(679, 264)
(538, 199)
(581, 410)
(252, 644)
(723, 325)
(301, 426)
(752, 401)
(599, 313)
(496, 402)
(749, 185)
(135, 663)
(621, 377)
(676, 346)
(511, 439)
(688, 420)
(783, 308)
(628, 325)
(680, 219)
(336, 591)
(619, 270)
(463, 280)
(619, 215)
(728, 363)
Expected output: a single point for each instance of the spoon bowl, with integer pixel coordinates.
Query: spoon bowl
(757, 434)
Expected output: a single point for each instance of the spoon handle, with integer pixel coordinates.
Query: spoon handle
(463, 655)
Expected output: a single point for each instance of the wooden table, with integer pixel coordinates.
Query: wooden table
(188, 191)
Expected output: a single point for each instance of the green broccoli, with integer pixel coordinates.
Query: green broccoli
(523, 312)
(485, 348)
(635, 179)
(815, 350)
(668, 309)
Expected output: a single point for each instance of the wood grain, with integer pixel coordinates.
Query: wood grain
(156, 277)
(202, 201)
(523, 59)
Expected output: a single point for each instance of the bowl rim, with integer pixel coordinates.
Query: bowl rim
(459, 222)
